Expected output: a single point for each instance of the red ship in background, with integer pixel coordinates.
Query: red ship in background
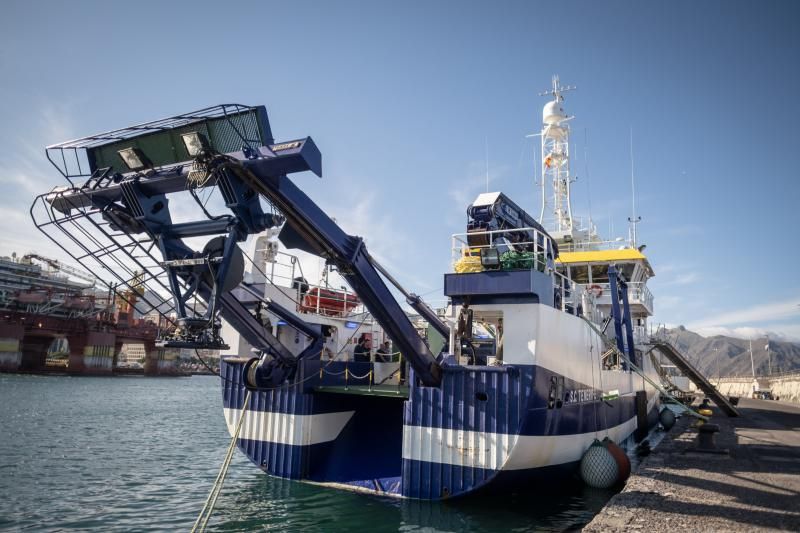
(53, 318)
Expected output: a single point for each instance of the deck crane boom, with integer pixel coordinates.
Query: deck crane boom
(134, 201)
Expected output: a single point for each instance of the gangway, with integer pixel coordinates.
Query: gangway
(672, 353)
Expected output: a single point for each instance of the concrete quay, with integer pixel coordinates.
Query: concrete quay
(754, 487)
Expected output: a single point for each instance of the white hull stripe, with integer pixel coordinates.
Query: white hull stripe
(501, 451)
(282, 428)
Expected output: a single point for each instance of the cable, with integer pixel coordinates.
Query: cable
(197, 355)
(205, 211)
(208, 507)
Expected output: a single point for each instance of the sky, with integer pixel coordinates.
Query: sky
(406, 99)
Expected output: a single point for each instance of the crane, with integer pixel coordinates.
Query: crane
(245, 169)
(66, 269)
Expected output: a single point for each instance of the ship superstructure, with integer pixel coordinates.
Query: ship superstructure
(584, 256)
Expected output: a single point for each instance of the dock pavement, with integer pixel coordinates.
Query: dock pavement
(753, 487)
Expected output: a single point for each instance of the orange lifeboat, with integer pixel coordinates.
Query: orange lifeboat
(329, 302)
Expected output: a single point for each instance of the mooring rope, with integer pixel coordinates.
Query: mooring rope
(208, 508)
(642, 373)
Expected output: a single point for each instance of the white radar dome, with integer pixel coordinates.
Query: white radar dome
(553, 113)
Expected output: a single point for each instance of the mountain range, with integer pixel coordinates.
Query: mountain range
(729, 356)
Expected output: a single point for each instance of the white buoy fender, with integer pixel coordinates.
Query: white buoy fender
(667, 418)
(599, 469)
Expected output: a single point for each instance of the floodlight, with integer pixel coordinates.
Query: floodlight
(490, 258)
(195, 143)
(134, 158)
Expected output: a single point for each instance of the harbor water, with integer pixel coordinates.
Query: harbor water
(141, 454)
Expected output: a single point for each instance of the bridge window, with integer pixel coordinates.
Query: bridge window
(599, 273)
(579, 273)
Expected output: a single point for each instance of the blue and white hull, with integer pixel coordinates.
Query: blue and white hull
(483, 426)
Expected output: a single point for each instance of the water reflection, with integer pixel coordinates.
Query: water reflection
(267, 503)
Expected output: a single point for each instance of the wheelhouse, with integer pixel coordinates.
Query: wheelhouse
(588, 272)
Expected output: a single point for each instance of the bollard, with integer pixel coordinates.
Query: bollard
(705, 439)
(705, 410)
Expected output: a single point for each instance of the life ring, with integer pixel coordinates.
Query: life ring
(596, 290)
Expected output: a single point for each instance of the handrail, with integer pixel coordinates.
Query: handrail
(540, 246)
(284, 273)
(541, 243)
(638, 292)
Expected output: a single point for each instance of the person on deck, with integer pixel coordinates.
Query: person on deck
(362, 351)
(384, 353)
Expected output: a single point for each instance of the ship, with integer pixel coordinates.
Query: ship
(534, 357)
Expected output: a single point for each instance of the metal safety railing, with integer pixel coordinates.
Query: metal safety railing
(285, 270)
(638, 293)
(128, 264)
(73, 161)
(526, 248)
(517, 249)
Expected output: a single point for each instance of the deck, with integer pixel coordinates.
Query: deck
(385, 391)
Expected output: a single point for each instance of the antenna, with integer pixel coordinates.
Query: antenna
(557, 89)
(538, 180)
(633, 219)
(487, 163)
(555, 163)
(586, 171)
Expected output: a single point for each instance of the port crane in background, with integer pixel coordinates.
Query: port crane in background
(55, 264)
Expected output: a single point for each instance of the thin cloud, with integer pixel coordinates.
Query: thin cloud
(669, 302)
(686, 279)
(464, 190)
(24, 237)
(386, 240)
(768, 312)
(26, 173)
(671, 275)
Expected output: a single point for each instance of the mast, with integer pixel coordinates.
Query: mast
(555, 162)
(633, 220)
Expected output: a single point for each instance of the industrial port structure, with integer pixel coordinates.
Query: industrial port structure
(44, 303)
